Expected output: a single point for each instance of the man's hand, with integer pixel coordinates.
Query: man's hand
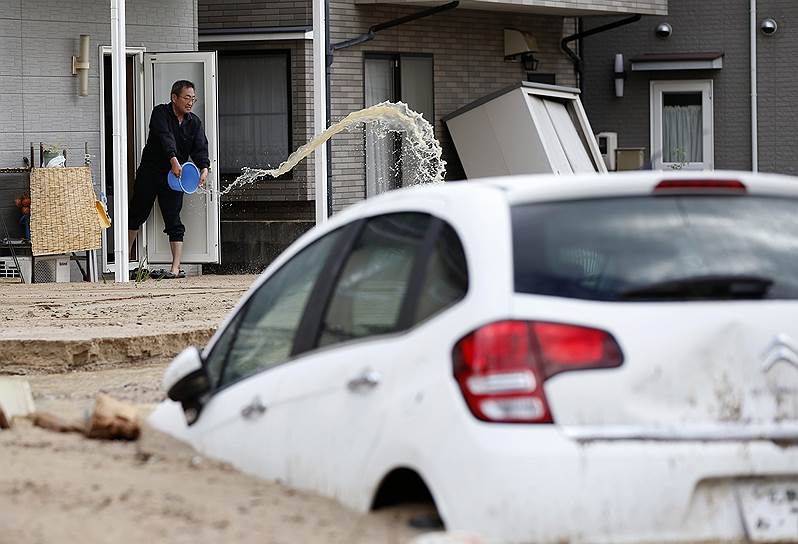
(176, 169)
(203, 177)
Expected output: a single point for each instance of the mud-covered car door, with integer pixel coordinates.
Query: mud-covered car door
(245, 365)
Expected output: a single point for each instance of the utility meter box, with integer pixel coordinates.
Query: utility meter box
(608, 143)
(528, 128)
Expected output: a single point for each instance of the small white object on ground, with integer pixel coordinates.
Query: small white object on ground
(15, 398)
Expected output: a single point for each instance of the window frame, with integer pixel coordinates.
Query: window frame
(308, 332)
(348, 233)
(249, 51)
(660, 87)
(396, 57)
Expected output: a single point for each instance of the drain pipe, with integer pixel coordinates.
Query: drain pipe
(370, 34)
(754, 98)
(576, 59)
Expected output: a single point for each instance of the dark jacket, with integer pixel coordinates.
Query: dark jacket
(168, 138)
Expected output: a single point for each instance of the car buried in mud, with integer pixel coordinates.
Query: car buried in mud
(598, 358)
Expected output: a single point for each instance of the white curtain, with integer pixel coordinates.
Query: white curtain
(380, 162)
(253, 111)
(416, 78)
(682, 134)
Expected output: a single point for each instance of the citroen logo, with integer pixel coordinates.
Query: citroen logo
(782, 348)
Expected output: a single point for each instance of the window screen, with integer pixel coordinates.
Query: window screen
(254, 111)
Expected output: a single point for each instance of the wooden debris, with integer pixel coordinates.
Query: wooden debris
(113, 419)
(4, 424)
(58, 424)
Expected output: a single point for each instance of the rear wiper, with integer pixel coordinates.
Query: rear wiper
(712, 287)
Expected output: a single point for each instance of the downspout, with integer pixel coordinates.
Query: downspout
(576, 59)
(327, 67)
(754, 99)
(370, 34)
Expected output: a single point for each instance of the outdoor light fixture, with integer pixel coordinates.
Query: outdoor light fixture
(80, 66)
(519, 45)
(620, 75)
(769, 27)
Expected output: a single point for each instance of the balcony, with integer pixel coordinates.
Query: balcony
(547, 7)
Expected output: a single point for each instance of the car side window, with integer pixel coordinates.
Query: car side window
(269, 321)
(446, 276)
(368, 295)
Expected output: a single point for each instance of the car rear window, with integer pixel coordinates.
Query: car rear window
(628, 248)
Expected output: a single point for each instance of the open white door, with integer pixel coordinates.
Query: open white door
(200, 212)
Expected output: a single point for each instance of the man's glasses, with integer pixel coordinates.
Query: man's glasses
(189, 99)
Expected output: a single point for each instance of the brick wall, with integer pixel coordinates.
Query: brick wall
(705, 26)
(263, 13)
(38, 94)
(467, 48)
(777, 59)
(298, 186)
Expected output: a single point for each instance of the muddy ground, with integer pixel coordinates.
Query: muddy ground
(63, 488)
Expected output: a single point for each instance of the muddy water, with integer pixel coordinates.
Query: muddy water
(419, 145)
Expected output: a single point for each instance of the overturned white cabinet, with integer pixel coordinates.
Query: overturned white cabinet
(529, 128)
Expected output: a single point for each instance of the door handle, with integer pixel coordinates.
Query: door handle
(368, 379)
(254, 409)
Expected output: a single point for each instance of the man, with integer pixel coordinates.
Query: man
(175, 135)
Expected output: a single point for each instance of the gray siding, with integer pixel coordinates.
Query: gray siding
(263, 13)
(705, 26)
(39, 96)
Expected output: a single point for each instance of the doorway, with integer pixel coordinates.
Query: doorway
(133, 99)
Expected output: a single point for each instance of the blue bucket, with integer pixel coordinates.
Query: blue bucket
(188, 182)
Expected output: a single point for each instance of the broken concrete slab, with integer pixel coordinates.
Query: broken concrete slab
(16, 399)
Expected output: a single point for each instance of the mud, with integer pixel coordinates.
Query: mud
(57, 327)
(117, 339)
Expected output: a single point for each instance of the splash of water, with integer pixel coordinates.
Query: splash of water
(421, 147)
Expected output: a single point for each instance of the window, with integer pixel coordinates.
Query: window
(406, 78)
(263, 335)
(682, 125)
(368, 296)
(445, 278)
(254, 110)
(606, 249)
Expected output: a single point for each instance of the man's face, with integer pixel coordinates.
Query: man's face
(184, 101)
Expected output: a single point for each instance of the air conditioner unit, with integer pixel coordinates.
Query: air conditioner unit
(49, 269)
(608, 143)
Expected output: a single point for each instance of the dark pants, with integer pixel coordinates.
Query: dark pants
(150, 184)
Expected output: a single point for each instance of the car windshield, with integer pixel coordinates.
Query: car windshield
(658, 248)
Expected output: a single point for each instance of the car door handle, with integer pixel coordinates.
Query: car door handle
(366, 380)
(254, 409)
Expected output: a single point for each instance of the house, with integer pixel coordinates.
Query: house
(253, 64)
(687, 94)
(39, 96)
(435, 62)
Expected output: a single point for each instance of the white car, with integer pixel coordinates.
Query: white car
(604, 358)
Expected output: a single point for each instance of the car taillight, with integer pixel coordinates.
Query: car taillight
(502, 366)
(696, 185)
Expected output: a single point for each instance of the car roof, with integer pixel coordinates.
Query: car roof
(548, 187)
(584, 186)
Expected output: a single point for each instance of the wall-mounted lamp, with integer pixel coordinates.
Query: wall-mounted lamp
(519, 45)
(619, 74)
(80, 66)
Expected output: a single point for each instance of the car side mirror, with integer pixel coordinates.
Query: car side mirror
(186, 381)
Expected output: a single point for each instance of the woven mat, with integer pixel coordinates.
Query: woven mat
(63, 217)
